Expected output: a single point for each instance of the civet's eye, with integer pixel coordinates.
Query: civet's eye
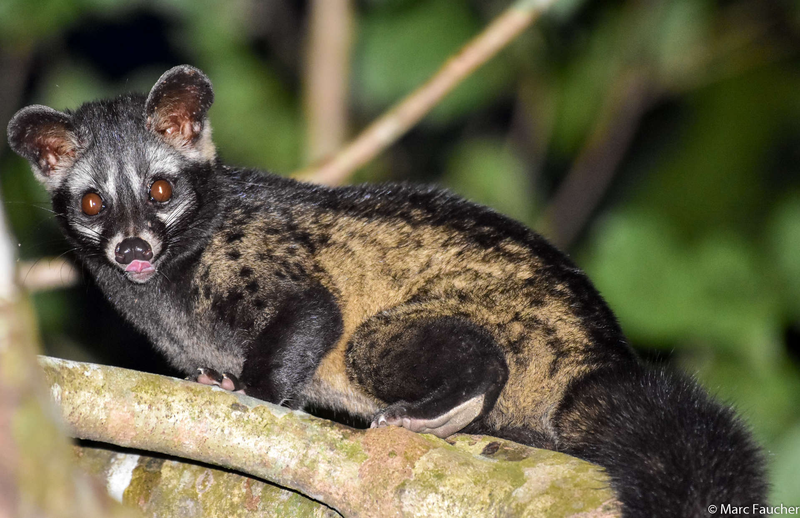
(161, 191)
(91, 204)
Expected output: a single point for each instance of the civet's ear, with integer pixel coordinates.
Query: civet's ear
(176, 110)
(47, 139)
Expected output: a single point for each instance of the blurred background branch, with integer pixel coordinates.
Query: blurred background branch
(393, 124)
(592, 171)
(327, 76)
(47, 273)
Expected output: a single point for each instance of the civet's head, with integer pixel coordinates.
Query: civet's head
(126, 176)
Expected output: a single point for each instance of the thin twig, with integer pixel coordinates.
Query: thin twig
(48, 273)
(327, 76)
(593, 170)
(389, 127)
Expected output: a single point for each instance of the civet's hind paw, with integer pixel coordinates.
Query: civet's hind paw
(441, 425)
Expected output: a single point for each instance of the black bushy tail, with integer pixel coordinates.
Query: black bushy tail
(668, 447)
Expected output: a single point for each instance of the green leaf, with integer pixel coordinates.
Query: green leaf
(23, 22)
(28, 208)
(69, 85)
(682, 33)
(639, 268)
(259, 125)
(786, 468)
(490, 172)
(587, 81)
(256, 118)
(767, 399)
(399, 49)
(712, 176)
(784, 241)
(669, 292)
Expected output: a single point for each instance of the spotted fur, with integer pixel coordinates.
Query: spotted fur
(400, 304)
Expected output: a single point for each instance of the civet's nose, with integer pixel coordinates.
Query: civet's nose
(133, 248)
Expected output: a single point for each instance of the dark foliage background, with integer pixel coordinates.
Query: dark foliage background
(658, 141)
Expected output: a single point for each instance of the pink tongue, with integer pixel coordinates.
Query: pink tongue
(138, 266)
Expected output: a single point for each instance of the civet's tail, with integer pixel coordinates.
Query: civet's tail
(669, 449)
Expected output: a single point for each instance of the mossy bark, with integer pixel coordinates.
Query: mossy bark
(165, 487)
(381, 472)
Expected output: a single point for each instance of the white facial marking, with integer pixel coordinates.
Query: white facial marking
(169, 165)
(82, 179)
(131, 176)
(89, 231)
(111, 187)
(174, 211)
(164, 158)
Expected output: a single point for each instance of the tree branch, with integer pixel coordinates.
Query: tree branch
(155, 485)
(47, 273)
(327, 76)
(594, 168)
(382, 472)
(393, 124)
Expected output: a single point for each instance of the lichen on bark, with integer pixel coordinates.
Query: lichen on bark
(167, 487)
(386, 472)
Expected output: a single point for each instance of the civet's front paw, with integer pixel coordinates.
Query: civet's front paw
(224, 380)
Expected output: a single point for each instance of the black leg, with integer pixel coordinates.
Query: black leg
(282, 359)
(437, 374)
